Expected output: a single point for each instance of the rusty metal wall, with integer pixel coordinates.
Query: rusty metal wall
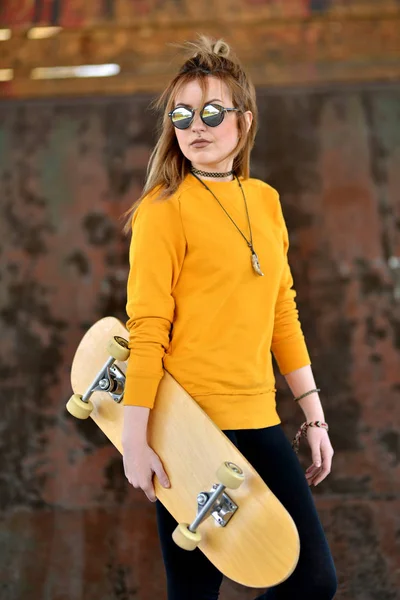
(281, 43)
(71, 526)
(81, 13)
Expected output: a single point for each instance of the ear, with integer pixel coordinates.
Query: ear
(248, 115)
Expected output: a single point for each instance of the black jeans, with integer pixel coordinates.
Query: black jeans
(191, 576)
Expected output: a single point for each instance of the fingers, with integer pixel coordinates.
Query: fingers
(161, 474)
(312, 473)
(324, 471)
(142, 478)
(158, 469)
(322, 453)
(146, 487)
(315, 474)
(327, 455)
(316, 456)
(149, 491)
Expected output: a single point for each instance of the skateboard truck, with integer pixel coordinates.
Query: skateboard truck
(215, 503)
(109, 379)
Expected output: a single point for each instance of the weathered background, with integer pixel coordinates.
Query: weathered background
(72, 158)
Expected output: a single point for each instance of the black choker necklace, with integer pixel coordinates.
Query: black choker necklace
(205, 174)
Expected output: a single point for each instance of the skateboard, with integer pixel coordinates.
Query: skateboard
(220, 503)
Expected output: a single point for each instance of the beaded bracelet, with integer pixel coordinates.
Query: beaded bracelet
(306, 394)
(302, 432)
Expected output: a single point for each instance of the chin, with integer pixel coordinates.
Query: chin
(203, 160)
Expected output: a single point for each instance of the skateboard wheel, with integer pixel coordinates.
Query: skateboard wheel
(230, 475)
(184, 538)
(117, 347)
(77, 408)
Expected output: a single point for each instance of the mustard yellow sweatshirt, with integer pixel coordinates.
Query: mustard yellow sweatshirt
(197, 308)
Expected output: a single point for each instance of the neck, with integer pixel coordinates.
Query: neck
(213, 175)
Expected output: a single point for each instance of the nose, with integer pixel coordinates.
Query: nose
(197, 124)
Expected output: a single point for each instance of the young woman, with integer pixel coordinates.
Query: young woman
(210, 297)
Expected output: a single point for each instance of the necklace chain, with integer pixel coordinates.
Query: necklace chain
(255, 262)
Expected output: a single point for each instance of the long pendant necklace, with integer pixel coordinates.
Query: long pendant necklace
(254, 258)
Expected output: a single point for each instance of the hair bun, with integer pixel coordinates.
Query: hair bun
(221, 48)
(204, 47)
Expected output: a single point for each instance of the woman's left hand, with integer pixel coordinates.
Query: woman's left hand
(322, 453)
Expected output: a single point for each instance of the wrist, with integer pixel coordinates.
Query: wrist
(314, 416)
(302, 432)
(312, 407)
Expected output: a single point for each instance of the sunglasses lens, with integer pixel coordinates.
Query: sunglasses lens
(181, 117)
(212, 115)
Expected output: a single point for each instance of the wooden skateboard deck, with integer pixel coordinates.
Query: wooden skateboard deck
(259, 546)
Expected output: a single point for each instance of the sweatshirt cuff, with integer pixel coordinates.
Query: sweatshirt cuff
(140, 391)
(291, 355)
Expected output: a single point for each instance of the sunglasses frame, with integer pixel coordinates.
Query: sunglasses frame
(193, 110)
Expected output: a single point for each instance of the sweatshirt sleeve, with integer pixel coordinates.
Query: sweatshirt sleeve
(156, 255)
(288, 344)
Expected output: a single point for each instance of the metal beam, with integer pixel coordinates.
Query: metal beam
(311, 51)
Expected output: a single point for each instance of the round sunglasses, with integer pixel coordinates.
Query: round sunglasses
(211, 115)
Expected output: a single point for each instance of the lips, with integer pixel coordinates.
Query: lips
(200, 144)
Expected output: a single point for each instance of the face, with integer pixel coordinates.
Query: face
(218, 141)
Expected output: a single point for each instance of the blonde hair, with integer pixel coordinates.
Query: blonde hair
(167, 166)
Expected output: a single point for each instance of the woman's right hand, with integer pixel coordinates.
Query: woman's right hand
(140, 464)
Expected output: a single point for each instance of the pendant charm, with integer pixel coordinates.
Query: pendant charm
(256, 264)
